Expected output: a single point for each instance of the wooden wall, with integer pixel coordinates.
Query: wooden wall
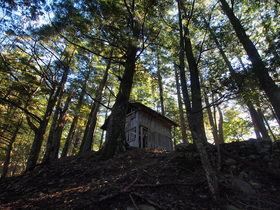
(144, 131)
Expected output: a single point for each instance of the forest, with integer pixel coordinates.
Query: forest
(210, 66)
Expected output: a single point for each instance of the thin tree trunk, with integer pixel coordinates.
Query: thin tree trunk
(9, 150)
(196, 121)
(59, 128)
(70, 136)
(76, 142)
(106, 115)
(75, 120)
(88, 137)
(267, 84)
(266, 23)
(266, 122)
(160, 88)
(90, 117)
(221, 130)
(195, 115)
(51, 140)
(73, 126)
(40, 132)
(181, 111)
(256, 119)
(212, 122)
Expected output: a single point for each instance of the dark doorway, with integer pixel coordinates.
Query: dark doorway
(143, 137)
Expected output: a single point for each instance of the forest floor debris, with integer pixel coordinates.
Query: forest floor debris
(140, 179)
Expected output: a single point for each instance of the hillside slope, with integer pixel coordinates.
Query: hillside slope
(149, 179)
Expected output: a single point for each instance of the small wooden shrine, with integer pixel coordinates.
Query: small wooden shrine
(145, 128)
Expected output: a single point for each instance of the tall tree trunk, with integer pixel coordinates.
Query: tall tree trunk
(40, 131)
(77, 141)
(115, 135)
(58, 130)
(106, 116)
(266, 122)
(76, 117)
(181, 111)
(51, 140)
(88, 137)
(266, 23)
(88, 125)
(256, 119)
(267, 84)
(212, 122)
(9, 150)
(160, 87)
(73, 125)
(70, 136)
(195, 115)
(196, 121)
(221, 122)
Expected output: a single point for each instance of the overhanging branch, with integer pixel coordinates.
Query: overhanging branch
(21, 108)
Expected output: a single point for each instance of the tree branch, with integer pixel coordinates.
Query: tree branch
(83, 47)
(23, 109)
(95, 100)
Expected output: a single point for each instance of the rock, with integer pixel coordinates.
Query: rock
(141, 207)
(243, 174)
(230, 161)
(255, 185)
(183, 147)
(231, 207)
(243, 186)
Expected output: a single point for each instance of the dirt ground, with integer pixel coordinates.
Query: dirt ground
(137, 179)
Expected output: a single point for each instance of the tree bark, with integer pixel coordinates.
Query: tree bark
(196, 121)
(268, 85)
(9, 150)
(77, 140)
(75, 119)
(266, 122)
(70, 136)
(160, 88)
(40, 132)
(181, 111)
(103, 131)
(88, 136)
(88, 125)
(221, 122)
(195, 115)
(59, 128)
(115, 136)
(212, 122)
(54, 123)
(51, 140)
(256, 119)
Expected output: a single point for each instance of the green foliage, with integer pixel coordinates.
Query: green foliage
(237, 125)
